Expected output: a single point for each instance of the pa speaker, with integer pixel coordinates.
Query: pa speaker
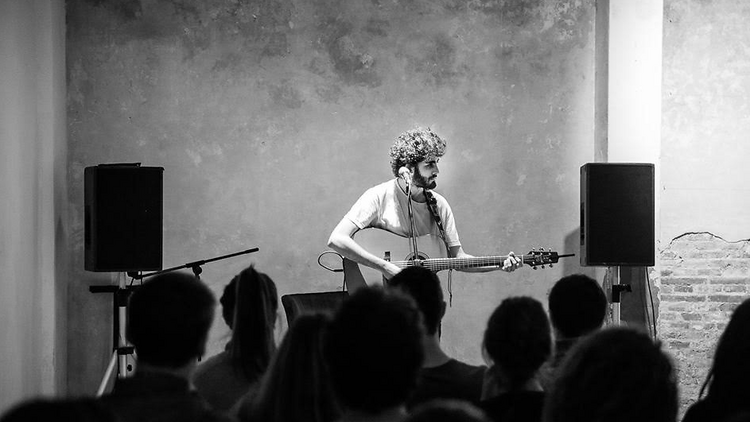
(123, 217)
(617, 214)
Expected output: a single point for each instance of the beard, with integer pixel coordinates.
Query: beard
(423, 182)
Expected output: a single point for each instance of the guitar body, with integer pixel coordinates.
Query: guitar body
(390, 247)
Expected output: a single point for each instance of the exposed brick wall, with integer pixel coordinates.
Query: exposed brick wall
(703, 278)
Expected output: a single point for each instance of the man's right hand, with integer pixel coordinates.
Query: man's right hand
(390, 269)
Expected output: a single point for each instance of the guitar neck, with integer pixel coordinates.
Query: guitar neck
(439, 264)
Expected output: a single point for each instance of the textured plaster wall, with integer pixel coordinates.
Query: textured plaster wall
(705, 197)
(706, 118)
(271, 118)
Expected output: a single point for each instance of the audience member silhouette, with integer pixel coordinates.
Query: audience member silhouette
(48, 409)
(447, 410)
(373, 350)
(616, 375)
(168, 322)
(249, 305)
(726, 389)
(441, 376)
(577, 307)
(517, 341)
(296, 387)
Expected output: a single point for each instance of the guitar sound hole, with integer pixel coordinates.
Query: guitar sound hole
(421, 256)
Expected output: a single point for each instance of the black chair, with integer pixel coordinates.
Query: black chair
(296, 304)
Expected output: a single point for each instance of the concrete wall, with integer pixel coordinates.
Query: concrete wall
(33, 208)
(704, 226)
(271, 117)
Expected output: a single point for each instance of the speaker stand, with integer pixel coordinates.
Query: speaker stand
(121, 348)
(617, 290)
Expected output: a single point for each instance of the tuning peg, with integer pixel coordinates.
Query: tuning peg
(550, 265)
(534, 267)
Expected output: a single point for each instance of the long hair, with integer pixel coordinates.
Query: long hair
(296, 387)
(727, 379)
(249, 306)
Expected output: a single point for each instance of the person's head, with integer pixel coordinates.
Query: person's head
(296, 385)
(617, 375)
(418, 150)
(249, 305)
(730, 370)
(169, 318)
(447, 410)
(423, 286)
(48, 409)
(577, 305)
(517, 340)
(373, 349)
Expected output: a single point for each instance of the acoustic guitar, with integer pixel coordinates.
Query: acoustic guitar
(433, 255)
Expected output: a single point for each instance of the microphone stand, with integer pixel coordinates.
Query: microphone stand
(121, 295)
(195, 265)
(412, 224)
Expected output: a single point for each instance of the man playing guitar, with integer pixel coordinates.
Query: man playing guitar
(414, 163)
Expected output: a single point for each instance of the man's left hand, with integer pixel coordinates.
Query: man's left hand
(511, 263)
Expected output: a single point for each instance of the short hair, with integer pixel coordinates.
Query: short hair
(373, 349)
(617, 374)
(423, 286)
(169, 318)
(577, 305)
(518, 338)
(249, 305)
(447, 410)
(727, 378)
(413, 146)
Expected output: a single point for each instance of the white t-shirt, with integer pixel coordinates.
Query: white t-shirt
(385, 206)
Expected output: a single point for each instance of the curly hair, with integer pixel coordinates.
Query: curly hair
(413, 146)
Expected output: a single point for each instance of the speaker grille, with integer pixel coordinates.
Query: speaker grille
(123, 218)
(617, 214)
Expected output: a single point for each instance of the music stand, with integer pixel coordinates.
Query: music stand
(121, 294)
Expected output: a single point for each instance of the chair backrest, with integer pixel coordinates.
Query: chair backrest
(296, 304)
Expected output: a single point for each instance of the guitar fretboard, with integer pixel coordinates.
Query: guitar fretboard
(439, 264)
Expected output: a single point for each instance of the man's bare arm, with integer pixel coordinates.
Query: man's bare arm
(342, 241)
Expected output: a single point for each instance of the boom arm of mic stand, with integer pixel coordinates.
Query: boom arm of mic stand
(195, 265)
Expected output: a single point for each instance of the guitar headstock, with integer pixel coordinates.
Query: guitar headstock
(540, 258)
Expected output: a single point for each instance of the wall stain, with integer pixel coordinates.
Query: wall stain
(377, 27)
(439, 61)
(286, 95)
(127, 10)
(351, 63)
(329, 93)
(228, 61)
(276, 46)
(517, 12)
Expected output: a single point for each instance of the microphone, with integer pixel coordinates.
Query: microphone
(406, 174)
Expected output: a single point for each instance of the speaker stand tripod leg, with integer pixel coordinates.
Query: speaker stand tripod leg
(108, 374)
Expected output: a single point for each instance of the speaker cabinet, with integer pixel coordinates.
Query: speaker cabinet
(617, 214)
(123, 217)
